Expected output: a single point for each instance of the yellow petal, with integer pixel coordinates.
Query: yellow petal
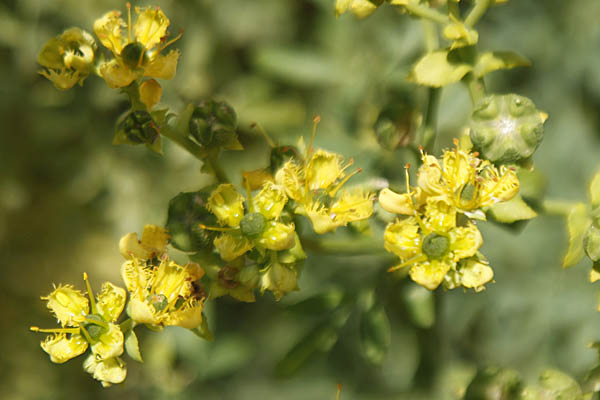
(115, 74)
(187, 317)
(430, 274)
(108, 30)
(277, 236)
(231, 247)
(458, 170)
(155, 238)
(496, 188)
(227, 205)
(279, 279)
(323, 170)
(270, 200)
(110, 344)
(136, 276)
(440, 214)
(465, 241)
(396, 203)
(150, 93)
(61, 349)
(352, 206)
(289, 176)
(402, 238)
(321, 219)
(62, 79)
(475, 274)
(172, 281)
(430, 176)
(111, 301)
(68, 305)
(163, 67)
(107, 371)
(151, 26)
(142, 312)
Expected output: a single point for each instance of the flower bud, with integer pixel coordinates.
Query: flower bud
(507, 128)
(591, 242)
(137, 127)
(186, 212)
(213, 124)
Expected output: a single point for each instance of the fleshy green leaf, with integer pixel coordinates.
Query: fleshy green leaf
(512, 211)
(434, 69)
(495, 60)
(375, 334)
(578, 222)
(132, 346)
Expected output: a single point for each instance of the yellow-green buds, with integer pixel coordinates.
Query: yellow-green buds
(186, 212)
(213, 124)
(88, 323)
(138, 127)
(507, 128)
(360, 8)
(138, 52)
(68, 58)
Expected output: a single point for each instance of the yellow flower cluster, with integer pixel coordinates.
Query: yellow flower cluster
(436, 236)
(88, 322)
(315, 184)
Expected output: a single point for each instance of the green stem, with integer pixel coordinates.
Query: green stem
(453, 9)
(476, 89)
(432, 42)
(169, 132)
(344, 247)
(557, 207)
(422, 11)
(133, 92)
(213, 162)
(427, 134)
(477, 12)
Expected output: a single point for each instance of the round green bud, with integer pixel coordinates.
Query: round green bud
(253, 224)
(435, 246)
(280, 155)
(139, 127)
(95, 330)
(134, 55)
(507, 128)
(186, 212)
(591, 242)
(213, 124)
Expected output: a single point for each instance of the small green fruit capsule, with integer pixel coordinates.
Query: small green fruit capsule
(186, 212)
(249, 276)
(591, 242)
(253, 224)
(507, 128)
(226, 114)
(213, 124)
(435, 246)
(139, 127)
(134, 55)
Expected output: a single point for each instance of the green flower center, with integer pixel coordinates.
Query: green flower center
(467, 193)
(133, 55)
(435, 246)
(158, 301)
(253, 224)
(95, 326)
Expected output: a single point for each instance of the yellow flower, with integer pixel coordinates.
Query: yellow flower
(167, 294)
(431, 243)
(314, 186)
(107, 371)
(86, 322)
(258, 229)
(68, 58)
(138, 53)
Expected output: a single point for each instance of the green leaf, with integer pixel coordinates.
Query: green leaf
(132, 346)
(320, 303)
(420, 305)
(511, 211)
(375, 334)
(578, 222)
(319, 340)
(434, 69)
(495, 60)
(203, 331)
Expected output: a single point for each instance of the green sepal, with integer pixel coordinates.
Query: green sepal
(132, 346)
(436, 70)
(511, 211)
(495, 60)
(321, 339)
(202, 331)
(375, 334)
(578, 223)
(294, 254)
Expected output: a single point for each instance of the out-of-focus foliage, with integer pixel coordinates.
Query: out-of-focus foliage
(67, 195)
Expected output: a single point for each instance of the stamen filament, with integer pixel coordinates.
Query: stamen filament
(216, 228)
(86, 334)
(90, 293)
(260, 130)
(420, 257)
(316, 121)
(346, 179)
(54, 330)
(129, 39)
(170, 42)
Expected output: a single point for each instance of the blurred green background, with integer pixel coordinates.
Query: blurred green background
(67, 196)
